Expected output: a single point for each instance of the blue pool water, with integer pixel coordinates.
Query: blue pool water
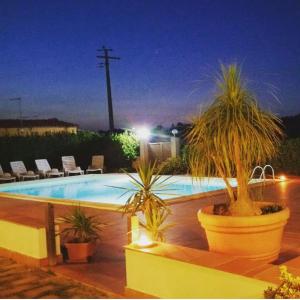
(101, 188)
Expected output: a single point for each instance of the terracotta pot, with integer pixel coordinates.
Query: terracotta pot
(254, 237)
(80, 252)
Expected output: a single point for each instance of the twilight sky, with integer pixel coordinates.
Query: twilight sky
(170, 51)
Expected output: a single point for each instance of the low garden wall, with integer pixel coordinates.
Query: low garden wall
(170, 271)
(24, 243)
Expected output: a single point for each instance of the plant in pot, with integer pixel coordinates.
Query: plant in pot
(227, 139)
(81, 233)
(145, 198)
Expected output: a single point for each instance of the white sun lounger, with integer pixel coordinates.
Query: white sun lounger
(97, 164)
(45, 170)
(19, 170)
(69, 166)
(6, 177)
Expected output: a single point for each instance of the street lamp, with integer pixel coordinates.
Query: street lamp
(143, 133)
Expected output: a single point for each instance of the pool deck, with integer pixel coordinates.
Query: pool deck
(107, 271)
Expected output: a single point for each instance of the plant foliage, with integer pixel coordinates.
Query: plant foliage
(80, 227)
(82, 145)
(129, 143)
(145, 198)
(289, 288)
(232, 135)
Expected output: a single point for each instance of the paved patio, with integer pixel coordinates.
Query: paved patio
(107, 271)
(18, 281)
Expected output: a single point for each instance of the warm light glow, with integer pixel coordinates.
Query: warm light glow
(143, 133)
(144, 241)
(282, 177)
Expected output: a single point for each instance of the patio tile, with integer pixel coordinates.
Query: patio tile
(272, 274)
(240, 266)
(294, 263)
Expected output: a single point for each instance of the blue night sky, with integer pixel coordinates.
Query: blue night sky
(170, 51)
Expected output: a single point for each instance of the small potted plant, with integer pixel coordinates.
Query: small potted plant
(81, 233)
(145, 198)
(229, 137)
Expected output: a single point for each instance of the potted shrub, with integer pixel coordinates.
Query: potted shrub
(145, 198)
(229, 137)
(81, 233)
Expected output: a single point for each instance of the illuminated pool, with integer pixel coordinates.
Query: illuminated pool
(100, 188)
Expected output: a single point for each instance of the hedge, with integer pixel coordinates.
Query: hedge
(82, 146)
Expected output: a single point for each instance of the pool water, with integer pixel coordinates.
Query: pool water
(101, 188)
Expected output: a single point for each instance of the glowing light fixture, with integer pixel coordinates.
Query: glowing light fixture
(282, 177)
(174, 131)
(143, 133)
(144, 241)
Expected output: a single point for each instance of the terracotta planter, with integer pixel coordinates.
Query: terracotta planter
(255, 237)
(80, 252)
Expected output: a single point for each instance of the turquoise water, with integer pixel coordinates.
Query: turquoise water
(101, 188)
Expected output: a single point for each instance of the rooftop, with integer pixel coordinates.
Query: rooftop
(13, 123)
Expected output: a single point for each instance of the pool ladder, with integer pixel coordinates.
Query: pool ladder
(263, 172)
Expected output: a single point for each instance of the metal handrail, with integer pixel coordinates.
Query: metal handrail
(273, 173)
(253, 172)
(263, 172)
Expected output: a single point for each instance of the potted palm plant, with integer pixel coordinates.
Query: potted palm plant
(81, 233)
(145, 198)
(228, 138)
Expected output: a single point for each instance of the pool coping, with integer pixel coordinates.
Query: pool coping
(117, 207)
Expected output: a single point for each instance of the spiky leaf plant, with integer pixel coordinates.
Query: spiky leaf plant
(145, 198)
(232, 135)
(80, 227)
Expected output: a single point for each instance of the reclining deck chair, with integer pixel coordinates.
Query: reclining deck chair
(69, 166)
(45, 170)
(19, 170)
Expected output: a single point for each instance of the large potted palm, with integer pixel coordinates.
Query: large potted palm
(228, 138)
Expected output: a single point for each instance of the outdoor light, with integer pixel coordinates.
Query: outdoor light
(144, 241)
(174, 131)
(282, 177)
(143, 133)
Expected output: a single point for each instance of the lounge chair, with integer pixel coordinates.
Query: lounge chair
(97, 164)
(6, 177)
(69, 166)
(19, 170)
(45, 170)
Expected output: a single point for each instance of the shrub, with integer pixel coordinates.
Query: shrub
(289, 287)
(173, 166)
(288, 159)
(129, 143)
(82, 145)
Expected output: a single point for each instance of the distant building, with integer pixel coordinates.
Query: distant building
(12, 127)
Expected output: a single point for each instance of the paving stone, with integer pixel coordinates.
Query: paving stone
(9, 278)
(10, 292)
(25, 280)
(13, 271)
(39, 291)
(50, 296)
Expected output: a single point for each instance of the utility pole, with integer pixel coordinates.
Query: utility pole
(106, 58)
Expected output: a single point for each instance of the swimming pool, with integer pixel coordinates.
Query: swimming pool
(100, 188)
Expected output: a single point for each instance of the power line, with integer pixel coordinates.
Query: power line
(106, 59)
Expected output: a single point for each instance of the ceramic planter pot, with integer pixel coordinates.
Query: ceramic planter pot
(80, 252)
(255, 237)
